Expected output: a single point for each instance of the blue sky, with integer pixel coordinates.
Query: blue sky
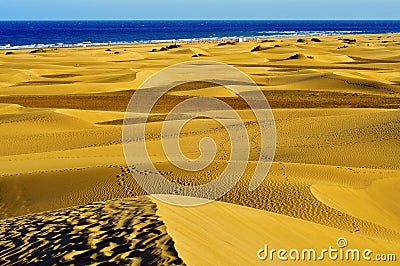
(198, 9)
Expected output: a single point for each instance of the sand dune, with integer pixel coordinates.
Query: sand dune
(366, 203)
(120, 232)
(10, 108)
(237, 233)
(335, 172)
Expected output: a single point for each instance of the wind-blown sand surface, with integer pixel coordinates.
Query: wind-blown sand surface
(335, 173)
(125, 232)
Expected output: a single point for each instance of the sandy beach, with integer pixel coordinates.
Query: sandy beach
(336, 171)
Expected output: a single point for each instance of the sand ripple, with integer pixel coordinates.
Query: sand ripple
(123, 232)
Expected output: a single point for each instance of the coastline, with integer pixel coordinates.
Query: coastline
(255, 39)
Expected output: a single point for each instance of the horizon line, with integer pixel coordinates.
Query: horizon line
(358, 19)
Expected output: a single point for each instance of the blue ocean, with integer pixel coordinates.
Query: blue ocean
(24, 34)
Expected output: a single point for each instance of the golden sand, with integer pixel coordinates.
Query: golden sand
(336, 169)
